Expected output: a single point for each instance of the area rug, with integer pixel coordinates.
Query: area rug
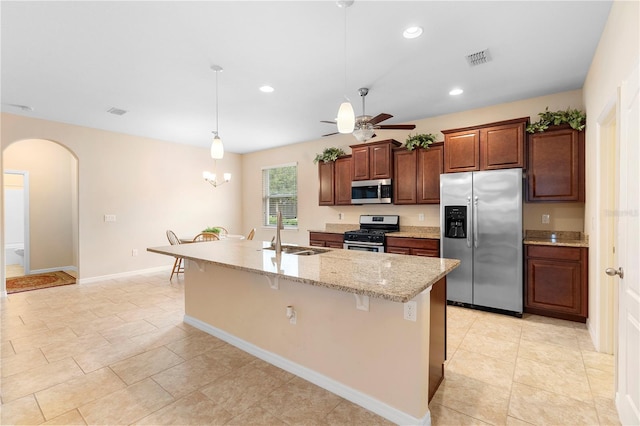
(38, 281)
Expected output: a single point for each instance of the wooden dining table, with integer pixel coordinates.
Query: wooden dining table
(186, 240)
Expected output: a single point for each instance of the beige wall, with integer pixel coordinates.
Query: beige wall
(564, 216)
(52, 170)
(150, 186)
(618, 52)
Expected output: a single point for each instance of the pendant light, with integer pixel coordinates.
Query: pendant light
(346, 118)
(217, 149)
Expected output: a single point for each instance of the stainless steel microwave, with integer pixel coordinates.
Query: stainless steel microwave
(377, 191)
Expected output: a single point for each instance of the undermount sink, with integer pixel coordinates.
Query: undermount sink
(298, 250)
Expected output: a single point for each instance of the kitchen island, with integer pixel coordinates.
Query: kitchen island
(345, 329)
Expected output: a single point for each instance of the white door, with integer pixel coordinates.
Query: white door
(628, 245)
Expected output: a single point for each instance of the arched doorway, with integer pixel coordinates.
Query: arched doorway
(52, 223)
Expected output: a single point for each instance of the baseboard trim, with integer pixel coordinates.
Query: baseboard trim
(59, 268)
(346, 392)
(123, 274)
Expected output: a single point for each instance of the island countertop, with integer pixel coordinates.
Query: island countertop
(394, 277)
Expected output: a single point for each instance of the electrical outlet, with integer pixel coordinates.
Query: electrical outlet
(410, 309)
(134, 252)
(109, 217)
(421, 217)
(545, 218)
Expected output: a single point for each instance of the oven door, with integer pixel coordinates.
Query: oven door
(354, 245)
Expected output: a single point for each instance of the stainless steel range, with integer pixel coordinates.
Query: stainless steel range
(370, 236)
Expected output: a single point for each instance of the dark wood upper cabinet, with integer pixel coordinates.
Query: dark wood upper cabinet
(416, 177)
(326, 195)
(342, 176)
(555, 170)
(373, 160)
(335, 182)
(490, 146)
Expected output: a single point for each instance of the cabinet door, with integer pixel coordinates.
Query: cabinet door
(502, 147)
(405, 176)
(554, 285)
(430, 166)
(326, 239)
(555, 170)
(380, 165)
(461, 151)
(360, 163)
(342, 178)
(327, 193)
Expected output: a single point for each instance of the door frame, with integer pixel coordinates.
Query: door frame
(27, 245)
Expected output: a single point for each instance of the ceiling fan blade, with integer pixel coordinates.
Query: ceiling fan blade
(330, 122)
(329, 134)
(397, 126)
(380, 117)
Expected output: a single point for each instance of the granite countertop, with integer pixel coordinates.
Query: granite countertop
(556, 238)
(394, 277)
(431, 232)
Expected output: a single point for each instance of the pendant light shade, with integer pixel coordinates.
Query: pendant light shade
(346, 118)
(217, 149)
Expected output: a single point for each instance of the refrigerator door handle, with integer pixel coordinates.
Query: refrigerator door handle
(475, 222)
(468, 222)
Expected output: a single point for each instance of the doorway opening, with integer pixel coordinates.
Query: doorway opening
(16, 222)
(40, 202)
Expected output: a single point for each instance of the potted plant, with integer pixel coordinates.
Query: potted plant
(329, 155)
(212, 229)
(573, 117)
(421, 140)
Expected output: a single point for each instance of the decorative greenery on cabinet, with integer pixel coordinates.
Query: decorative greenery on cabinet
(573, 117)
(422, 140)
(329, 155)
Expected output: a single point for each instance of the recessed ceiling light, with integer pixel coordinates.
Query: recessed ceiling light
(266, 89)
(456, 92)
(412, 32)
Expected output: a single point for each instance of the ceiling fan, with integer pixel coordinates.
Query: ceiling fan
(366, 125)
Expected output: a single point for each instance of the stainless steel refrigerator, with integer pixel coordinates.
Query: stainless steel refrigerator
(481, 224)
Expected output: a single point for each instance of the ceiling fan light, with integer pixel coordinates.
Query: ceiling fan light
(217, 149)
(346, 118)
(363, 134)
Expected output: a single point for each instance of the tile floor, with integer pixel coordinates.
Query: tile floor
(14, 270)
(117, 352)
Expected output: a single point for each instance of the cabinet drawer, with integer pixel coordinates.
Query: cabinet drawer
(419, 243)
(327, 237)
(554, 252)
(425, 253)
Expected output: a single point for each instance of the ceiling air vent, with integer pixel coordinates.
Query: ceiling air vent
(478, 58)
(116, 111)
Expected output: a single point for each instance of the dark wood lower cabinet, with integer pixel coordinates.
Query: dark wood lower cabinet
(556, 282)
(326, 239)
(415, 246)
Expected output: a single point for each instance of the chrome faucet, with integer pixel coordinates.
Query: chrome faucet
(278, 245)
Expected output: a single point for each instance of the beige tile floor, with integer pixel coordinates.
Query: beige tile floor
(14, 270)
(117, 352)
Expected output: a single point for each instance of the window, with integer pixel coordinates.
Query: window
(280, 193)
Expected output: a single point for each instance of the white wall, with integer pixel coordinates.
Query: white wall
(617, 53)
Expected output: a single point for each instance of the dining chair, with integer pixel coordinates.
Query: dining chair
(223, 231)
(206, 236)
(251, 234)
(178, 265)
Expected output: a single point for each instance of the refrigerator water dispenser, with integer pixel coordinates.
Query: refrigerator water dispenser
(455, 218)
